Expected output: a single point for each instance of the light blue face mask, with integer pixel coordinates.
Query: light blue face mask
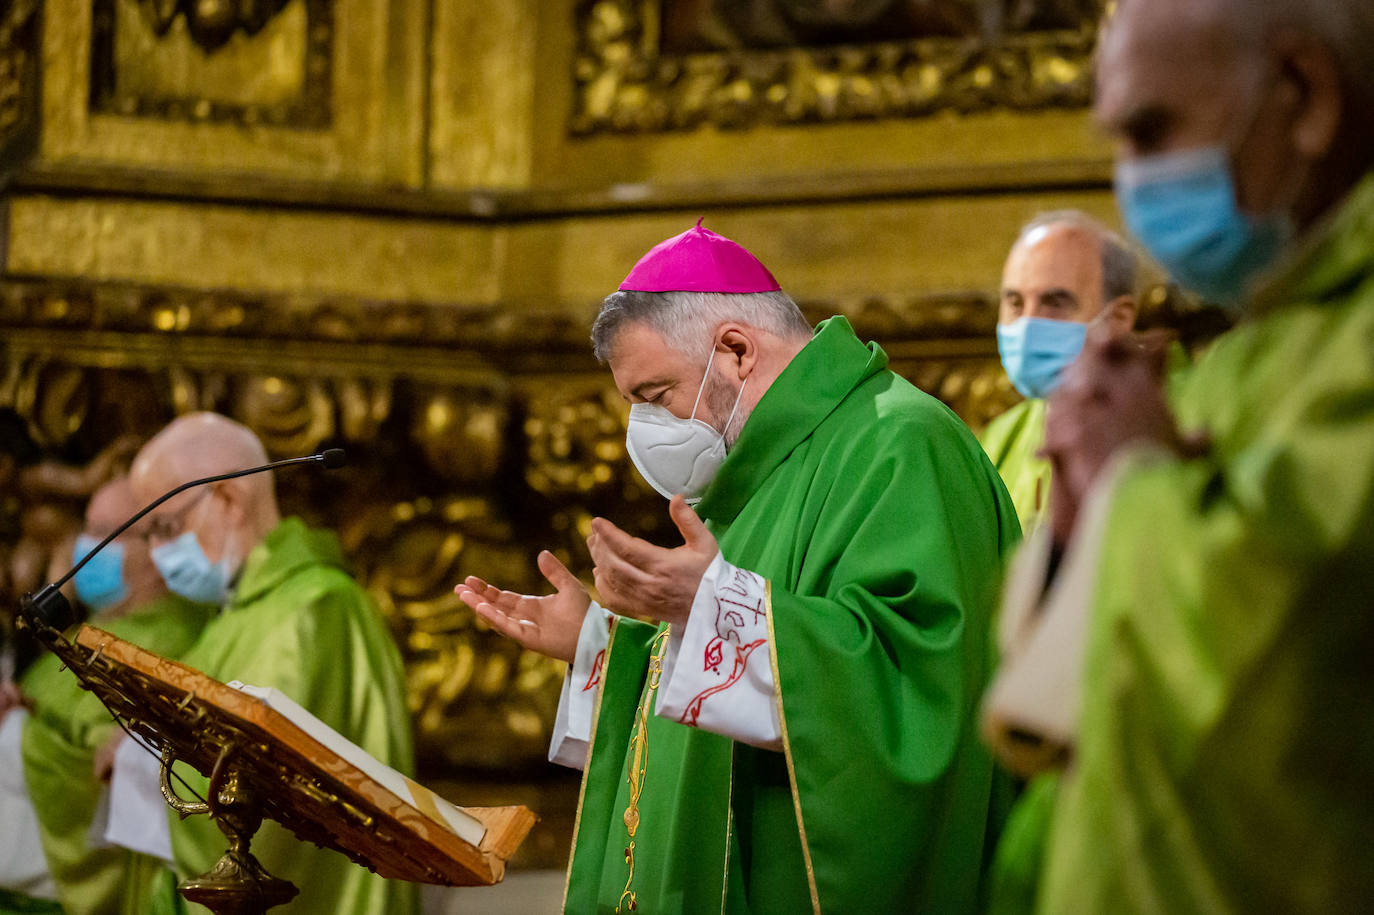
(190, 573)
(1036, 351)
(1182, 207)
(100, 583)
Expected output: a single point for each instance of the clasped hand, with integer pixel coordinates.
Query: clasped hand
(632, 576)
(1112, 395)
(636, 578)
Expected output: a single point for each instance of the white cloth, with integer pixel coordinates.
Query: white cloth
(138, 814)
(23, 869)
(1030, 712)
(572, 727)
(717, 674)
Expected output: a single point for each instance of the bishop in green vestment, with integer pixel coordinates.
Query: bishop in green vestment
(828, 612)
(1217, 705)
(292, 618)
(68, 725)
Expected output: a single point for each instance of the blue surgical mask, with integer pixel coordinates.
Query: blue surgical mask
(190, 573)
(1036, 351)
(100, 583)
(1182, 207)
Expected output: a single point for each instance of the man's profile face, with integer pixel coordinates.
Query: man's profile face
(1054, 272)
(647, 370)
(1170, 77)
(199, 511)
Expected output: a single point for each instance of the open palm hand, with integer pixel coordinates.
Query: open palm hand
(548, 624)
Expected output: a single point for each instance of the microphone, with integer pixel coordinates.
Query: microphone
(49, 608)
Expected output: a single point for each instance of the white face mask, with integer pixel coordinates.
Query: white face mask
(677, 456)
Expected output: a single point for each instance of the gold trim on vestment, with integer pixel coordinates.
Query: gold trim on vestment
(637, 769)
(587, 766)
(787, 747)
(729, 831)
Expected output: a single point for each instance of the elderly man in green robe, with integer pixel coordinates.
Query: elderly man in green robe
(1065, 273)
(787, 700)
(1202, 660)
(291, 617)
(66, 727)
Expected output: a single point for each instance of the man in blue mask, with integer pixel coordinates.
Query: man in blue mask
(1065, 272)
(66, 727)
(1200, 658)
(290, 617)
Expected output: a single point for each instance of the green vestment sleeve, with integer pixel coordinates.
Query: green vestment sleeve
(880, 525)
(61, 737)
(1224, 756)
(299, 623)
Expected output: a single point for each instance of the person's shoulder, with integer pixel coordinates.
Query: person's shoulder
(900, 410)
(888, 418)
(326, 583)
(1007, 421)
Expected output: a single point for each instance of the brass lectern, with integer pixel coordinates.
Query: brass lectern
(262, 763)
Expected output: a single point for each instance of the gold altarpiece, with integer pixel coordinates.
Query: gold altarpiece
(386, 226)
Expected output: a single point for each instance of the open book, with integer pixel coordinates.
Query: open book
(463, 825)
(306, 776)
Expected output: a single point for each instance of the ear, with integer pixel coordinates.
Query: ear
(1121, 313)
(234, 496)
(1314, 74)
(742, 342)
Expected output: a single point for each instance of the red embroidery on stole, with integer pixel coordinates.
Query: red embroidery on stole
(595, 676)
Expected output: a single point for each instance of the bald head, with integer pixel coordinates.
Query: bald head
(229, 517)
(110, 506)
(1067, 266)
(198, 445)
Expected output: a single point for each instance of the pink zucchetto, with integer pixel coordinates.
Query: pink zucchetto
(699, 260)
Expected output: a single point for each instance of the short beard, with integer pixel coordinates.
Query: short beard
(719, 401)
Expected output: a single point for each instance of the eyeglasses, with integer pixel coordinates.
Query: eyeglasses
(162, 528)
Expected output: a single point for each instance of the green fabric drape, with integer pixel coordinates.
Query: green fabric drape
(1011, 441)
(1225, 750)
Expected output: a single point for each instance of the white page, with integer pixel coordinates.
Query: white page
(461, 824)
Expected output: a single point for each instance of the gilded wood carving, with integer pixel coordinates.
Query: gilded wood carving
(659, 65)
(214, 61)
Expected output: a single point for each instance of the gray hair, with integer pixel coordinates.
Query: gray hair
(686, 320)
(1118, 260)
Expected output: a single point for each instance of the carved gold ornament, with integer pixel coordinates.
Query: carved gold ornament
(963, 56)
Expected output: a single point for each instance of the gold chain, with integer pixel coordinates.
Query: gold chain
(639, 764)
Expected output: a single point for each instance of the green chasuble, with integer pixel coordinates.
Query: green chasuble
(68, 725)
(1225, 746)
(298, 622)
(880, 526)
(1011, 441)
